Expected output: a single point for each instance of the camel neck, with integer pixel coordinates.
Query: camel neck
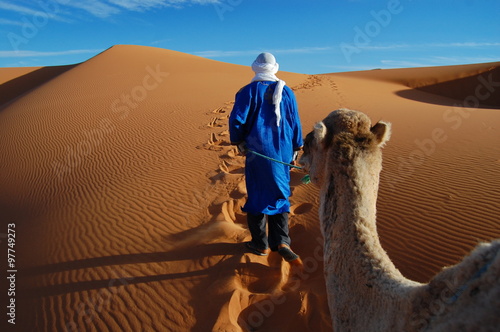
(349, 201)
(355, 261)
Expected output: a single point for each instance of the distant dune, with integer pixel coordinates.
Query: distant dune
(126, 194)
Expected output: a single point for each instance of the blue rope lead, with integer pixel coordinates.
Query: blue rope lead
(306, 179)
(275, 160)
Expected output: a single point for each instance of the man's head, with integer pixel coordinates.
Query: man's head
(266, 58)
(265, 63)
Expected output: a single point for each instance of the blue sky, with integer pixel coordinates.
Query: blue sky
(312, 37)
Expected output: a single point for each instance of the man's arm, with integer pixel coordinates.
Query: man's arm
(298, 141)
(238, 117)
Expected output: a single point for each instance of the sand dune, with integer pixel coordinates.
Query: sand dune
(16, 81)
(126, 194)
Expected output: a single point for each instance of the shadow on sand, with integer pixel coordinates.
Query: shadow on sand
(477, 91)
(18, 86)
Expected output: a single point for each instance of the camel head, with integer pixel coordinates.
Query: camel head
(338, 139)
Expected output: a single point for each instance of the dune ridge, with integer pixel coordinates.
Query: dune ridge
(127, 195)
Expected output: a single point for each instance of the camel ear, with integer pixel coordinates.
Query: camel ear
(319, 131)
(382, 132)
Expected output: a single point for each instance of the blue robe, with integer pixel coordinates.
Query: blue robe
(253, 121)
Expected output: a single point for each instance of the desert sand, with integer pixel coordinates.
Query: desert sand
(126, 195)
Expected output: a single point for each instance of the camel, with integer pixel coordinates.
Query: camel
(366, 292)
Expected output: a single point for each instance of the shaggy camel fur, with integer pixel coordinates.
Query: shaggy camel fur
(366, 292)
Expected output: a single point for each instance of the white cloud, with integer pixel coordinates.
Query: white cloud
(351, 68)
(139, 5)
(160, 41)
(442, 60)
(38, 12)
(103, 9)
(466, 44)
(404, 63)
(221, 54)
(9, 22)
(26, 54)
(17, 8)
(380, 47)
(95, 7)
(385, 47)
(437, 61)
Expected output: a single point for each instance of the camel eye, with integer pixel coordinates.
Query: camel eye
(308, 142)
(359, 139)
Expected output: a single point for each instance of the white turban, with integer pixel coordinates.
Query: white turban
(265, 68)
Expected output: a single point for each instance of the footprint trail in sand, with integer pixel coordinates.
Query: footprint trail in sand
(261, 285)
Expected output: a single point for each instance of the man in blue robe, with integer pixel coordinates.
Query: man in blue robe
(265, 120)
